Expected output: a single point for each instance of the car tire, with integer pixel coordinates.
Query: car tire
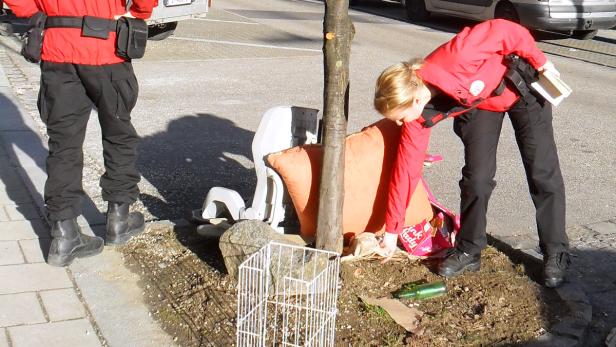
(416, 10)
(506, 10)
(354, 2)
(584, 34)
(162, 31)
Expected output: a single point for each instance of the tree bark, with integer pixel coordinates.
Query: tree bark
(338, 33)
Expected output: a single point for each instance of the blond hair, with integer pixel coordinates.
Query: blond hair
(397, 86)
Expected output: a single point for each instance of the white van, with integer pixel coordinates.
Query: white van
(579, 18)
(166, 15)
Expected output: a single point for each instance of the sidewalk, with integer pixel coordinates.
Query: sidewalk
(95, 301)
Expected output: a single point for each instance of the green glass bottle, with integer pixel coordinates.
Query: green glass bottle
(421, 291)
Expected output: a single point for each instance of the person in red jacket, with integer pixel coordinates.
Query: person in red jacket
(78, 73)
(465, 79)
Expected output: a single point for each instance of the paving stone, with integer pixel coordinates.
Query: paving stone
(11, 119)
(34, 180)
(4, 342)
(24, 230)
(92, 214)
(9, 180)
(100, 280)
(603, 227)
(4, 217)
(4, 83)
(22, 308)
(62, 304)
(32, 277)
(571, 328)
(15, 196)
(28, 149)
(581, 311)
(57, 334)
(22, 212)
(572, 292)
(10, 253)
(36, 250)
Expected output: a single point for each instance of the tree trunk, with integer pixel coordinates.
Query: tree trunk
(338, 33)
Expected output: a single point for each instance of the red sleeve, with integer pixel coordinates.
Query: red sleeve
(143, 8)
(406, 173)
(498, 35)
(23, 8)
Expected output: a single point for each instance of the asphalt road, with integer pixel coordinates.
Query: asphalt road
(203, 91)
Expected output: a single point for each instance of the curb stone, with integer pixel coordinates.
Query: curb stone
(572, 330)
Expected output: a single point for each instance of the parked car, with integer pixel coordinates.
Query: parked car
(166, 15)
(579, 18)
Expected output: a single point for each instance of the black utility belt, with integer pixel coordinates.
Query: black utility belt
(90, 26)
(131, 33)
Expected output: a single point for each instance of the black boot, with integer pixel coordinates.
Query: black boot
(121, 225)
(554, 268)
(456, 262)
(69, 243)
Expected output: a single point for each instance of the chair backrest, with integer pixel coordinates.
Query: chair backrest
(280, 128)
(284, 127)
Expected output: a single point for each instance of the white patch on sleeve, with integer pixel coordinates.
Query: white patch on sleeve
(477, 87)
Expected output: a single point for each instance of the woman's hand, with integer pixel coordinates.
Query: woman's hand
(549, 66)
(389, 244)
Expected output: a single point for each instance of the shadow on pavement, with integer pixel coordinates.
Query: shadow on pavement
(9, 176)
(21, 141)
(194, 154)
(594, 271)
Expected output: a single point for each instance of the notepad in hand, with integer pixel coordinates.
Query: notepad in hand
(551, 87)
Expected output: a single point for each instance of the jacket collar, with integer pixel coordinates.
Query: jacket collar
(444, 80)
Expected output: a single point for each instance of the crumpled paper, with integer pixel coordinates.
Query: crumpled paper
(407, 317)
(366, 246)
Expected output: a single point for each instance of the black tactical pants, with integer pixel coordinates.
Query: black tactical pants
(67, 95)
(480, 130)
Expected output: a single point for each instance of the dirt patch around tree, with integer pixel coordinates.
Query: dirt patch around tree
(189, 293)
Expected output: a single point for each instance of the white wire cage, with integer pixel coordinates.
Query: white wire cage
(287, 296)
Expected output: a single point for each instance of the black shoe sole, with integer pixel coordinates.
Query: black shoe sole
(67, 259)
(472, 267)
(123, 238)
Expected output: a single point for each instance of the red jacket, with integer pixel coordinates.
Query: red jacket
(66, 45)
(467, 68)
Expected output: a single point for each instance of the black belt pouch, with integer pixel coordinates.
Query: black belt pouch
(132, 36)
(33, 43)
(95, 27)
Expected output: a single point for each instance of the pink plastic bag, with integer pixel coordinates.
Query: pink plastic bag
(431, 237)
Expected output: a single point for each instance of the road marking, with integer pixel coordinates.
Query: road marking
(243, 44)
(235, 14)
(226, 21)
(191, 61)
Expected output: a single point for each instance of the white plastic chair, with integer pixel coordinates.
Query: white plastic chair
(280, 128)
